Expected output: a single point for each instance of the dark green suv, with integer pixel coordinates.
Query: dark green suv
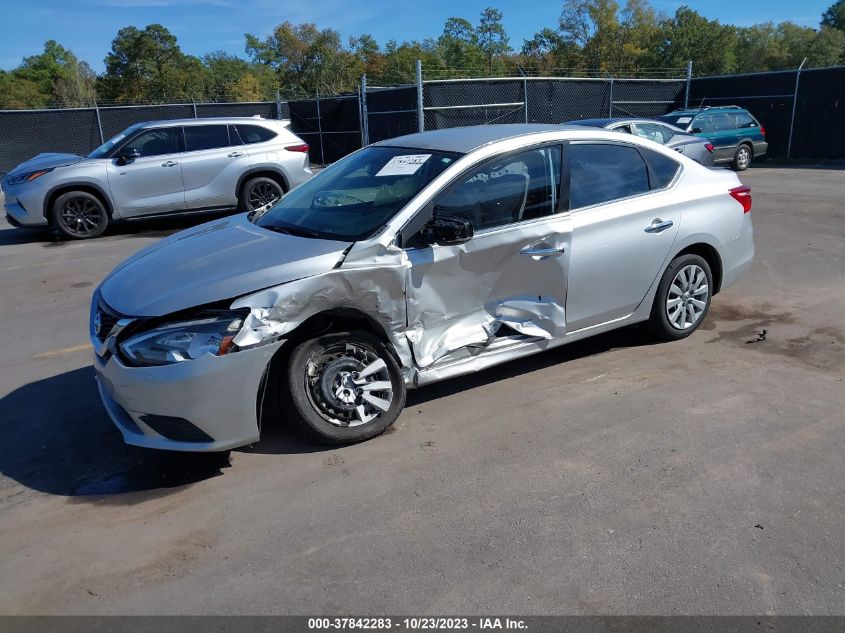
(737, 137)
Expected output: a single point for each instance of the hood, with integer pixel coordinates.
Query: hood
(219, 260)
(45, 161)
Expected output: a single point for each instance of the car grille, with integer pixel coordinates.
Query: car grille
(176, 429)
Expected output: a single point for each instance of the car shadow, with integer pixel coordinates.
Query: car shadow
(58, 439)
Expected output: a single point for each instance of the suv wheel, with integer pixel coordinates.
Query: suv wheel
(682, 299)
(742, 158)
(79, 215)
(342, 388)
(260, 192)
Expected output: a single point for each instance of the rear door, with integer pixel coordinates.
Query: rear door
(623, 224)
(725, 136)
(512, 272)
(151, 183)
(212, 164)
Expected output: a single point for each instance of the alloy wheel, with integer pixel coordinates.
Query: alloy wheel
(81, 217)
(263, 194)
(348, 384)
(743, 157)
(687, 297)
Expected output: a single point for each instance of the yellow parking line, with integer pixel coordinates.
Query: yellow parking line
(63, 350)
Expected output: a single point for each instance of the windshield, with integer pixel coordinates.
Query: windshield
(355, 197)
(678, 120)
(109, 145)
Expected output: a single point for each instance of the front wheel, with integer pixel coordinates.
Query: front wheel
(682, 299)
(342, 388)
(79, 215)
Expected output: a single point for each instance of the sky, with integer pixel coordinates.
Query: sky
(87, 27)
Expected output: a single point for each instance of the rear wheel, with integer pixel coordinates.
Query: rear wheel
(682, 299)
(79, 215)
(342, 388)
(742, 158)
(260, 192)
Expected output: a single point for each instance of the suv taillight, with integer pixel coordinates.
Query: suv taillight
(297, 148)
(743, 196)
(709, 147)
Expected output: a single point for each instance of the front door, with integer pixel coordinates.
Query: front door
(152, 182)
(621, 231)
(511, 277)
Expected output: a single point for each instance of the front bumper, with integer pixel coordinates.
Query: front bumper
(218, 395)
(24, 205)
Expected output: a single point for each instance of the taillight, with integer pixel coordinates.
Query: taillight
(709, 147)
(297, 148)
(763, 131)
(743, 196)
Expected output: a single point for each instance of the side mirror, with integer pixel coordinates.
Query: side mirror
(447, 230)
(129, 156)
(695, 130)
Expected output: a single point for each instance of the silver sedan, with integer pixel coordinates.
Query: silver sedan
(699, 149)
(410, 261)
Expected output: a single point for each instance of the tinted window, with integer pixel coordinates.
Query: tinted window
(519, 187)
(723, 121)
(623, 128)
(199, 137)
(356, 196)
(654, 132)
(600, 173)
(153, 142)
(662, 169)
(254, 133)
(744, 120)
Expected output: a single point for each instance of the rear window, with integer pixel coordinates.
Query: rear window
(661, 169)
(254, 133)
(744, 120)
(198, 137)
(604, 172)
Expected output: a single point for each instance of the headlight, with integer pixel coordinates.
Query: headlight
(186, 340)
(28, 177)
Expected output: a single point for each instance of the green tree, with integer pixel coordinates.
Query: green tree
(53, 77)
(459, 47)
(230, 78)
(687, 35)
(148, 65)
(491, 35)
(400, 61)
(834, 16)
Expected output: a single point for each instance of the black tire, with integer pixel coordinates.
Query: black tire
(307, 400)
(742, 158)
(79, 215)
(259, 192)
(675, 326)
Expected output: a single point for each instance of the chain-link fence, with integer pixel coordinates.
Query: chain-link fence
(804, 106)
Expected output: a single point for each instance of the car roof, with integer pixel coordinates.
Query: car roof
(601, 122)
(694, 111)
(466, 139)
(200, 121)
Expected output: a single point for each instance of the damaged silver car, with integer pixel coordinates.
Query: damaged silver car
(410, 261)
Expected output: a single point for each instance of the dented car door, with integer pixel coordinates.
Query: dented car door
(512, 272)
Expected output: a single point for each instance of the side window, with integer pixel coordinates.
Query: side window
(199, 137)
(744, 120)
(661, 169)
(704, 122)
(604, 172)
(654, 132)
(254, 133)
(722, 122)
(154, 142)
(623, 128)
(518, 187)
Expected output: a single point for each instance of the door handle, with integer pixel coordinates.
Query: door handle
(170, 163)
(542, 252)
(680, 150)
(235, 154)
(658, 225)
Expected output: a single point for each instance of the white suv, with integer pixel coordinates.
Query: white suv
(159, 168)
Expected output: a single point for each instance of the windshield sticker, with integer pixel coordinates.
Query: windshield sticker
(403, 165)
(684, 119)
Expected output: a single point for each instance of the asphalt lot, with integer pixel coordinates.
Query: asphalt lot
(610, 476)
